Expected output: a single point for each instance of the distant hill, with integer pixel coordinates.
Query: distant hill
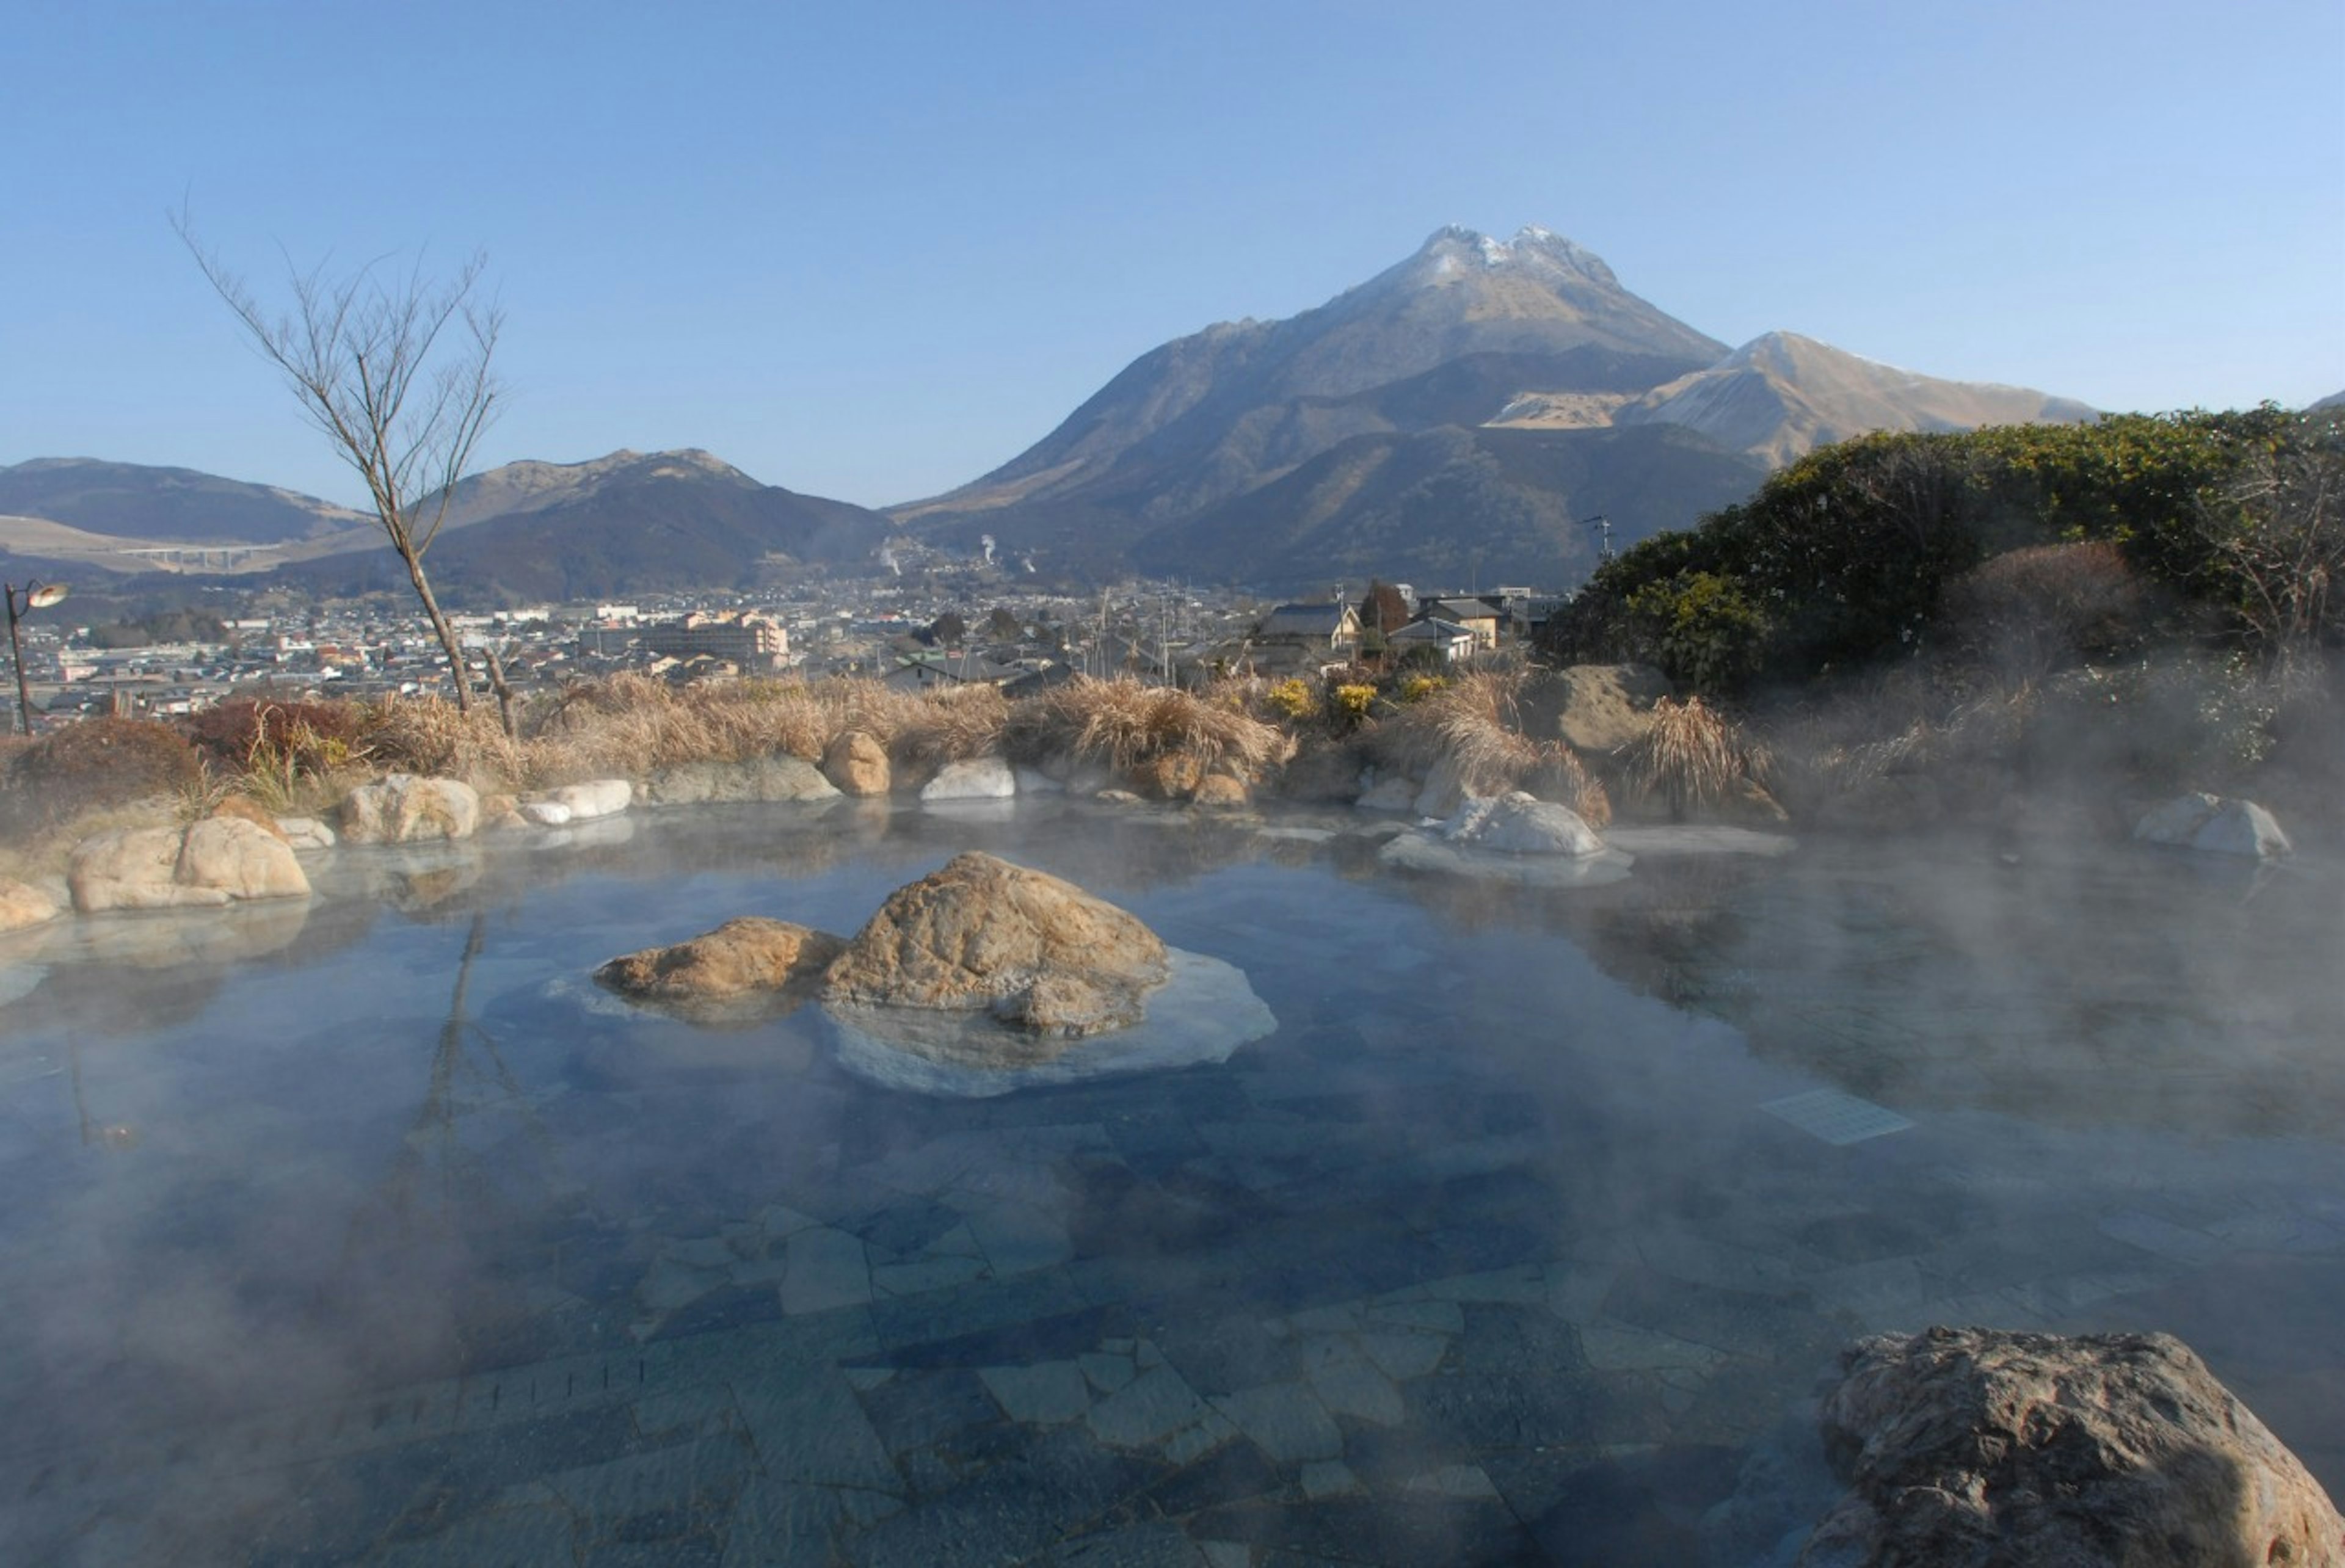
(1781, 396)
(176, 505)
(1472, 403)
(618, 526)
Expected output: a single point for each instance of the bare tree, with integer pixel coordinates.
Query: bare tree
(2278, 532)
(395, 370)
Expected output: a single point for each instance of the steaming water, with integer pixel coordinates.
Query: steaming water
(355, 1232)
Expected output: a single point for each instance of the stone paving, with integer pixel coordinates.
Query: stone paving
(1482, 1257)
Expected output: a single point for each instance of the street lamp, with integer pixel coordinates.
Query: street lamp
(35, 595)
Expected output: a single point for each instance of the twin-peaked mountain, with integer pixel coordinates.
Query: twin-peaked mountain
(1462, 418)
(1464, 414)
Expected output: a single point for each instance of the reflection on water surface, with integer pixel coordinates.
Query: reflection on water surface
(1487, 1253)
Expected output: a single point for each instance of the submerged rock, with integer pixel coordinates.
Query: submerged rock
(749, 956)
(1203, 1013)
(982, 935)
(1978, 1447)
(402, 808)
(2214, 826)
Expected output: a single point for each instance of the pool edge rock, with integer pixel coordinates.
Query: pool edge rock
(1965, 1446)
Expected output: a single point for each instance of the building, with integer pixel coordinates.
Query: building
(755, 643)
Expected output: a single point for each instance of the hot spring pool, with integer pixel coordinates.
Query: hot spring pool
(363, 1231)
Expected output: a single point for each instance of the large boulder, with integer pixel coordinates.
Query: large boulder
(1974, 1447)
(402, 808)
(2214, 826)
(242, 859)
(1596, 708)
(218, 860)
(979, 778)
(981, 933)
(762, 779)
(747, 956)
(857, 763)
(1520, 824)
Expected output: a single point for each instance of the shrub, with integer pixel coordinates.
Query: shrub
(1691, 755)
(1292, 698)
(2045, 607)
(98, 764)
(1475, 723)
(1701, 628)
(1122, 724)
(1352, 702)
(273, 750)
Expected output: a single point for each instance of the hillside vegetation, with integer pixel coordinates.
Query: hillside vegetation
(2222, 529)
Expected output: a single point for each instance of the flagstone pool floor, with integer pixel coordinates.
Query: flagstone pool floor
(1485, 1257)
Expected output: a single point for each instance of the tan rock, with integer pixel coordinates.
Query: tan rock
(1976, 1446)
(402, 808)
(1596, 708)
(983, 934)
(770, 778)
(241, 859)
(857, 765)
(132, 868)
(23, 905)
(1171, 776)
(1219, 790)
(745, 955)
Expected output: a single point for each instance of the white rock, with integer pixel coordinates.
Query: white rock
(1520, 824)
(545, 812)
(2214, 826)
(981, 778)
(596, 797)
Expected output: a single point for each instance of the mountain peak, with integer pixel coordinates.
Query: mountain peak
(1541, 252)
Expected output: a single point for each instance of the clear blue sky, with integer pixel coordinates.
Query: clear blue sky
(871, 250)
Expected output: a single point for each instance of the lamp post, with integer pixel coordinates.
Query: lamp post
(35, 595)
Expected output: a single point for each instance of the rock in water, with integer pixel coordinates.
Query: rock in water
(857, 763)
(983, 934)
(1984, 1448)
(2214, 826)
(216, 861)
(401, 808)
(979, 778)
(1519, 823)
(23, 905)
(742, 957)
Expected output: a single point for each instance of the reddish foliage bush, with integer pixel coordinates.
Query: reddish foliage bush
(2046, 606)
(94, 765)
(234, 736)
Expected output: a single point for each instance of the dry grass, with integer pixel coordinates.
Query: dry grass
(429, 735)
(1475, 723)
(630, 725)
(1125, 725)
(1691, 755)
